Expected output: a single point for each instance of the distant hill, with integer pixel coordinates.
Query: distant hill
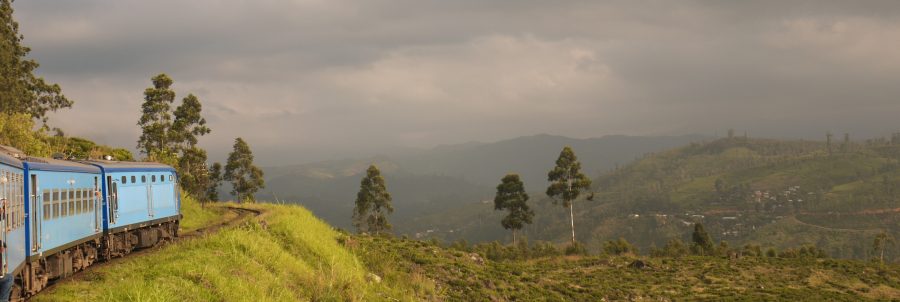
(447, 177)
(770, 192)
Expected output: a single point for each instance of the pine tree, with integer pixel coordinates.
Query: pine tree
(215, 180)
(373, 204)
(567, 182)
(156, 120)
(21, 92)
(246, 179)
(511, 197)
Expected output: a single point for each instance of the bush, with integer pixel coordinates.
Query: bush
(619, 247)
(576, 249)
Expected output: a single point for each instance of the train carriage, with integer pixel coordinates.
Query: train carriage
(58, 217)
(63, 223)
(140, 204)
(12, 214)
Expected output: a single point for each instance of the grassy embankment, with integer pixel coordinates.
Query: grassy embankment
(285, 254)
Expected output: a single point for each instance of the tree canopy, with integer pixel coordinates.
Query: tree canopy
(21, 91)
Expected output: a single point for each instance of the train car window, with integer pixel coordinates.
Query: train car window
(54, 212)
(78, 201)
(152, 178)
(171, 177)
(87, 199)
(46, 201)
(162, 178)
(143, 178)
(133, 180)
(64, 203)
(123, 179)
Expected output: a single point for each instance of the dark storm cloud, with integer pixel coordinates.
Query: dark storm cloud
(316, 79)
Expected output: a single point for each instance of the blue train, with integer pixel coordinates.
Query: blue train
(58, 217)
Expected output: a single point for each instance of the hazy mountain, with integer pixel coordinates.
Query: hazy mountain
(447, 177)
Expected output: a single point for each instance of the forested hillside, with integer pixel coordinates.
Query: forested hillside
(836, 196)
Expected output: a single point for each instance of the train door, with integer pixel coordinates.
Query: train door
(152, 179)
(95, 201)
(36, 214)
(5, 196)
(113, 199)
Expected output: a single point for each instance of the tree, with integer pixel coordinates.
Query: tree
(215, 179)
(511, 197)
(21, 92)
(373, 204)
(567, 182)
(188, 125)
(878, 245)
(193, 175)
(245, 178)
(702, 243)
(156, 120)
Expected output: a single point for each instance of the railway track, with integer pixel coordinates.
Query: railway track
(242, 215)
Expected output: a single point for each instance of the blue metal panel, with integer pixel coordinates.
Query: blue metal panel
(69, 167)
(56, 229)
(15, 237)
(140, 198)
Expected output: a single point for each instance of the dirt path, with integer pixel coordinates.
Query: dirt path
(242, 214)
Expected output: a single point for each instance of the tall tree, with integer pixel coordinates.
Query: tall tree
(20, 90)
(246, 179)
(156, 119)
(373, 204)
(215, 180)
(511, 197)
(183, 136)
(702, 243)
(189, 124)
(879, 244)
(193, 175)
(567, 182)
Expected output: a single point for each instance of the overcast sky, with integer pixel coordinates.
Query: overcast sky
(321, 79)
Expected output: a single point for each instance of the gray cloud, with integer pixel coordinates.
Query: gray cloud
(322, 79)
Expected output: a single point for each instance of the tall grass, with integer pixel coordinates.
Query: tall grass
(286, 254)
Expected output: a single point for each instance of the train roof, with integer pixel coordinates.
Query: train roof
(10, 156)
(130, 166)
(47, 164)
(10, 161)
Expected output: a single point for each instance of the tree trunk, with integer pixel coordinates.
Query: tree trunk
(572, 219)
(514, 237)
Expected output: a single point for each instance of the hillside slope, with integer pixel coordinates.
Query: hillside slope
(286, 254)
(770, 192)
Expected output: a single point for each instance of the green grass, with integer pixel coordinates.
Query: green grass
(286, 254)
(462, 277)
(196, 215)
